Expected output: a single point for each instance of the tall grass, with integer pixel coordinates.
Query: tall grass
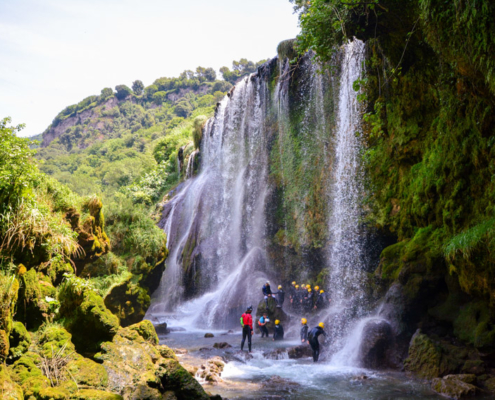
(465, 242)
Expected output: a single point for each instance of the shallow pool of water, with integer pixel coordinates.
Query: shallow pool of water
(262, 378)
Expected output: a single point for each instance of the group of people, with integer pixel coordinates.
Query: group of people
(307, 335)
(303, 298)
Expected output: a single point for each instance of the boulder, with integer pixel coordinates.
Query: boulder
(85, 316)
(20, 340)
(273, 313)
(455, 386)
(221, 345)
(300, 352)
(138, 368)
(377, 337)
(211, 371)
(90, 394)
(427, 359)
(209, 335)
(277, 354)
(128, 301)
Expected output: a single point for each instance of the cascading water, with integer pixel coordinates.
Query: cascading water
(217, 222)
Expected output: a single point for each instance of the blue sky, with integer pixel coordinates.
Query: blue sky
(56, 52)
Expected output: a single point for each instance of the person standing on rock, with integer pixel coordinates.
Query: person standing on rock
(304, 330)
(292, 292)
(262, 324)
(322, 301)
(313, 339)
(247, 327)
(278, 334)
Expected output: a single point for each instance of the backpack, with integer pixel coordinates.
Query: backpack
(242, 322)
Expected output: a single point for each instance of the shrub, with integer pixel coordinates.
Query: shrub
(122, 91)
(137, 87)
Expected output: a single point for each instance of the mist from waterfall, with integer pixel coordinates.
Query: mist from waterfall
(216, 222)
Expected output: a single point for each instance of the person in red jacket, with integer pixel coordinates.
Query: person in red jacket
(247, 327)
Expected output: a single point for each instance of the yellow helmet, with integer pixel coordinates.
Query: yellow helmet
(308, 286)
(279, 287)
(309, 289)
(294, 283)
(304, 321)
(277, 322)
(321, 325)
(297, 286)
(317, 288)
(322, 291)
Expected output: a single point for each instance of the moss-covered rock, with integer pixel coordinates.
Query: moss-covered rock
(84, 314)
(53, 340)
(138, 368)
(427, 359)
(8, 299)
(88, 373)
(174, 376)
(90, 394)
(20, 340)
(455, 386)
(474, 324)
(128, 301)
(8, 388)
(273, 313)
(34, 308)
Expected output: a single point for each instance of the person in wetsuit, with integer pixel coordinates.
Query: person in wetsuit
(292, 292)
(262, 324)
(298, 298)
(322, 301)
(313, 339)
(308, 300)
(278, 334)
(280, 296)
(304, 330)
(247, 327)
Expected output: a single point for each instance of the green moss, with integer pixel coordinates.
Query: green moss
(88, 373)
(84, 314)
(8, 388)
(174, 377)
(27, 366)
(424, 357)
(146, 330)
(20, 340)
(95, 395)
(474, 324)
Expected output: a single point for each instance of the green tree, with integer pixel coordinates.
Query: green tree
(106, 93)
(17, 169)
(122, 91)
(183, 109)
(137, 87)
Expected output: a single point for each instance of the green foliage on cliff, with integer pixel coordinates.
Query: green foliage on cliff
(429, 130)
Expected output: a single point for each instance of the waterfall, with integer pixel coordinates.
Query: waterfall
(346, 245)
(221, 223)
(216, 223)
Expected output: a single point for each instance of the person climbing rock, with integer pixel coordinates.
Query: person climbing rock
(247, 327)
(267, 292)
(280, 296)
(262, 324)
(279, 331)
(313, 339)
(304, 330)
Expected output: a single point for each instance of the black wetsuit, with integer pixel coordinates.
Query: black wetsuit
(308, 302)
(280, 297)
(279, 332)
(267, 292)
(313, 341)
(304, 333)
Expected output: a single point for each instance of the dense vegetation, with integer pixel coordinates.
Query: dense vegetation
(429, 132)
